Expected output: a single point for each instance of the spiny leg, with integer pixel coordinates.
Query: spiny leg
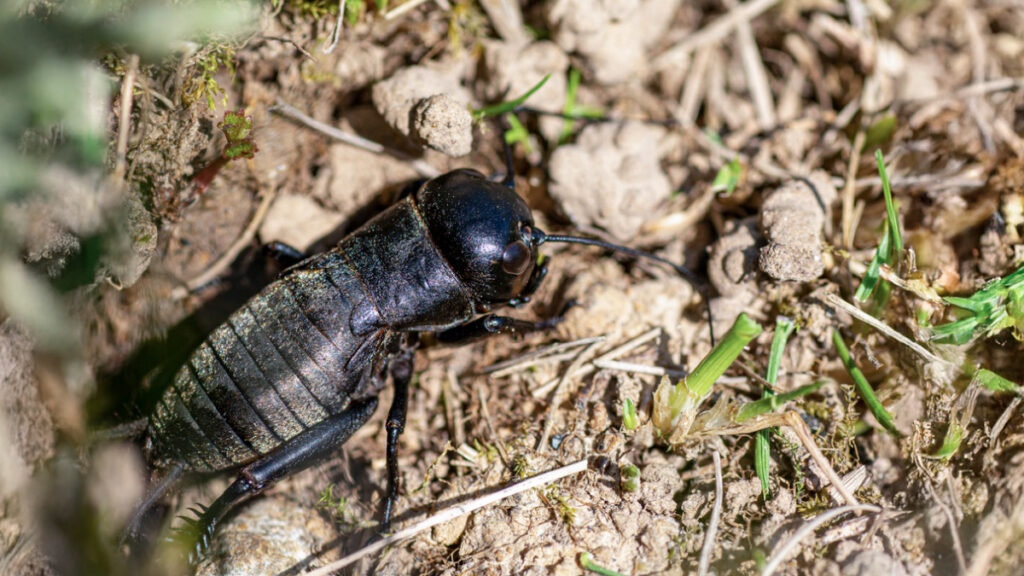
(401, 367)
(305, 449)
(197, 533)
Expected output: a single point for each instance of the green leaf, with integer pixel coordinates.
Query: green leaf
(629, 478)
(572, 111)
(783, 328)
(889, 252)
(517, 133)
(688, 394)
(236, 125)
(999, 305)
(728, 177)
(880, 132)
(629, 420)
(353, 11)
(965, 303)
(568, 124)
(880, 298)
(871, 276)
(1015, 304)
(863, 388)
(950, 442)
(711, 368)
(237, 128)
(959, 332)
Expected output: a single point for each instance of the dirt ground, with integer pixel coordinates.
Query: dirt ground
(798, 93)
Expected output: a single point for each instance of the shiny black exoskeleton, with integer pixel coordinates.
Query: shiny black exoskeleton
(291, 375)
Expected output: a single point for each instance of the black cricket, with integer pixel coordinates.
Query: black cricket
(292, 374)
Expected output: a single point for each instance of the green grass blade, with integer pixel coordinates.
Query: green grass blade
(517, 133)
(995, 382)
(784, 327)
(996, 307)
(871, 276)
(629, 478)
(763, 460)
(353, 10)
(959, 332)
(880, 298)
(863, 388)
(509, 106)
(572, 111)
(969, 304)
(587, 562)
(896, 239)
(889, 252)
(568, 124)
(762, 451)
(769, 404)
(880, 132)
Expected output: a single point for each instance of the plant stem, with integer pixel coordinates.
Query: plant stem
(722, 356)
(205, 176)
(698, 384)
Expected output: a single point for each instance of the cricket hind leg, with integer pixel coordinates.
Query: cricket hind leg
(307, 448)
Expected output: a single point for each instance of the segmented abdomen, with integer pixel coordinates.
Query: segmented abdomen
(295, 353)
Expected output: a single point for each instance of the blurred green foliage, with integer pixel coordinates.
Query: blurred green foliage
(61, 65)
(55, 114)
(57, 97)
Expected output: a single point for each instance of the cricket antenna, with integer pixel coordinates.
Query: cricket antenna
(541, 238)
